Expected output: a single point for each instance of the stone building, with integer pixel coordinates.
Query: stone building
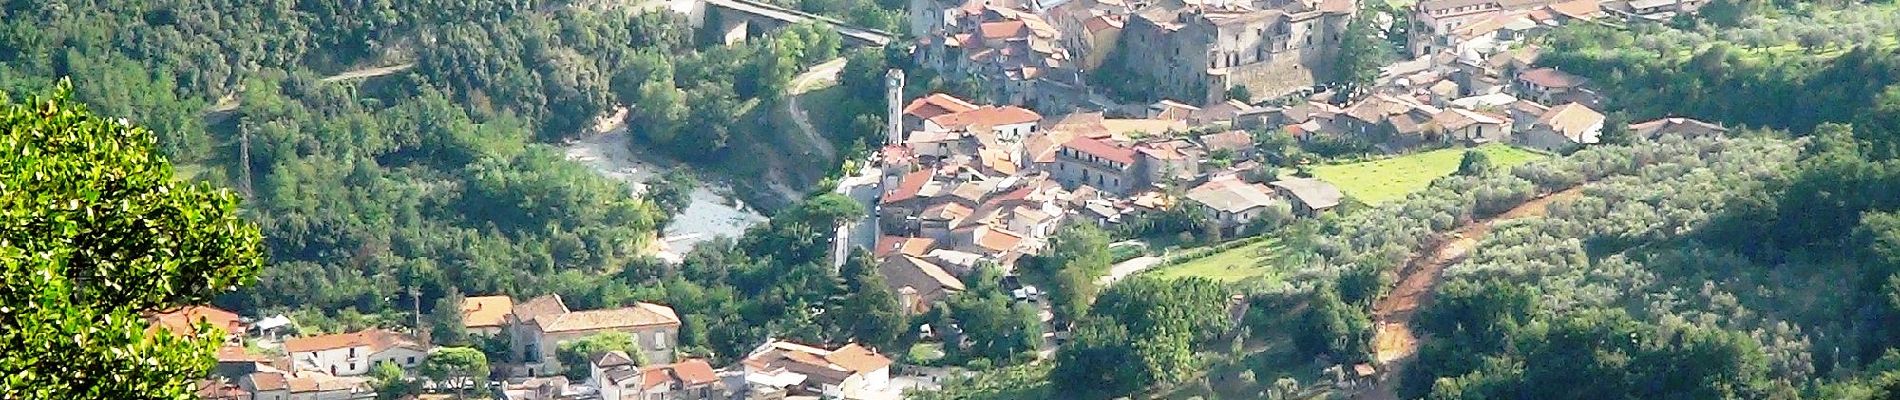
(1196, 53)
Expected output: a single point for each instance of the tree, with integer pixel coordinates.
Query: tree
(577, 354)
(94, 230)
(389, 381)
(448, 327)
(1238, 92)
(1079, 254)
(461, 367)
(1474, 163)
(1361, 53)
(671, 192)
(1616, 130)
(876, 317)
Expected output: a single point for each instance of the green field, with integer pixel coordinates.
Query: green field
(1379, 181)
(1257, 259)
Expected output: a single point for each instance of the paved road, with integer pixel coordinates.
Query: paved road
(1126, 268)
(818, 76)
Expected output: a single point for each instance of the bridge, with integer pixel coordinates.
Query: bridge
(740, 19)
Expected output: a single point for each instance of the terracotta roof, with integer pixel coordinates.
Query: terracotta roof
(986, 116)
(908, 186)
(1102, 149)
(266, 381)
(1551, 78)
(1231, 195)
(539, 306)
(857, 358)
(1579, 9)
(1573, 121)
(640, 314)
(1003, 30)
(688, 373)
(1314, 193)
(893, 245)
(486, 311)
(996, 239)
(180, 322)
(375, 339)
(936, 104)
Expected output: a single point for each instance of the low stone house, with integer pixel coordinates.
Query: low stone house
(1231, 202)
(540, 331)
(1564, 128)
(1309, 196)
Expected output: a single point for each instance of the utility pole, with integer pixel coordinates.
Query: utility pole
(415, 302)
(244, 156)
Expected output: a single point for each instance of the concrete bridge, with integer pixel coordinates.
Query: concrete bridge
(741, 19)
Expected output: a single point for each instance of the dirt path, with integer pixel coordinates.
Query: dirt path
(820, 74)
(368, 72)
(1394, 344)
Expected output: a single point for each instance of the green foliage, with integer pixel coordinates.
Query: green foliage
(1078, 255)
(1362, 51)
(1140, 333)
(459, 365)
(577, 355)
(1240, 93)
(875, 315)
(1737, 76)
(1474, 163)
(94, 231)
(389, 381)
(446, 325)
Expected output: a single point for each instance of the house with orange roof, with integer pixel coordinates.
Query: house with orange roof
(486, 315)
(618, 377)
(184, 321)
(352, 354)
(1096, 163)
(931, 106)
(545, 322)
(1009, 123)
(851, 371)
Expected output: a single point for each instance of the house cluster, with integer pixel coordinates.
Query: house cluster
(967, 184)
(1030, 52)
(1486, 26)
(336, 366)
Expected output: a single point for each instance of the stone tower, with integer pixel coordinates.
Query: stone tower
(894, 104)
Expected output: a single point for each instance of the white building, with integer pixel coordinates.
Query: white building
(351, 354)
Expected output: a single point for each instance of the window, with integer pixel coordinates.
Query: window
(411, 361)
(659, 340)
(352, 366)
(352, 352)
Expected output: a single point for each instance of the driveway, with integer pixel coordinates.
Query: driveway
(1125, 268)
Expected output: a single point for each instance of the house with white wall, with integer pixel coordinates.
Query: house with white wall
(351, 354)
